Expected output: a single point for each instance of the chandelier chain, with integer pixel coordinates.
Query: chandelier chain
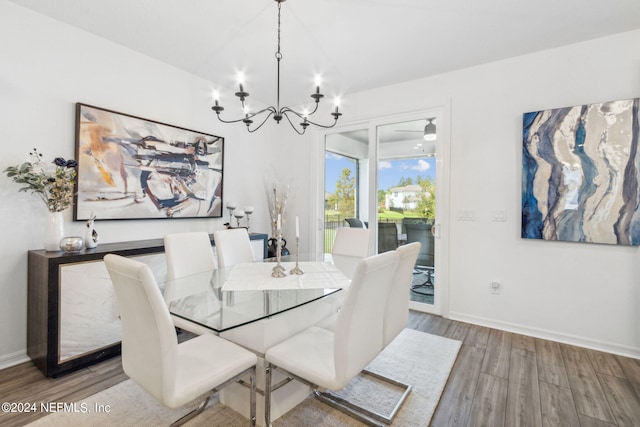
(278, 58)
(278, 53)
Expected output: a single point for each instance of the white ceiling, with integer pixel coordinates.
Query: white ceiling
(355, 44)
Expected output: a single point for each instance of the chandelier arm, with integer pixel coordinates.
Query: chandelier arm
(315, 109)
(299, 132)
(314, 123)
(264, 110)
(286, 110)
(321, 125)
(291, 110)
(263, 122)
(250, 116)
(228, 121)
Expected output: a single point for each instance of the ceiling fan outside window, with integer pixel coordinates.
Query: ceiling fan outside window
(429, 132)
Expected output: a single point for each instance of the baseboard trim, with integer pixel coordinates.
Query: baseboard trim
(12, 359)
(608, 347)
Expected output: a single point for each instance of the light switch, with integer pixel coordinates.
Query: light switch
(466, 215)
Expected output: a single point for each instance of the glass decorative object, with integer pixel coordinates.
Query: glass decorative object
(72, 244)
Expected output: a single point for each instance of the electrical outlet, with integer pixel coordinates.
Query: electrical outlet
(495, 288)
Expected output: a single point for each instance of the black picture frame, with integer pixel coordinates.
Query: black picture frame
(135, 168)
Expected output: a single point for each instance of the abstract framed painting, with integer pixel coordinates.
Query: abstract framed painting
(135, 168)
(581, 173)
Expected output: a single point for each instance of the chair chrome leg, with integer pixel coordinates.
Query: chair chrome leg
(252, 397)
(363, 414)
(267, 395)
(252, 380)
(329, 399)
(406, 387)
(191, 414)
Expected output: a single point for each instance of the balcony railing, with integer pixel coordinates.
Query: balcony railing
(335, 222)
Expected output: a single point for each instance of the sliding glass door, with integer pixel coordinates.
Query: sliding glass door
(389, 175)
(346, 189)
(407, 197)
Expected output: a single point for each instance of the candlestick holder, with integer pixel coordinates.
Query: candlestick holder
(239, 215)
(248, 211)
(231, 209)
(278, 270)
(297, 270)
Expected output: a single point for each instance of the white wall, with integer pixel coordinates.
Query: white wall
(45, 68)
(586, 294)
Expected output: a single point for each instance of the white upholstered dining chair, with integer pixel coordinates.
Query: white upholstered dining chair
(395, 317)
(350, 246)
(396, 313)
(187, 254)
(331, 359)
(172, 373)
(232, 246)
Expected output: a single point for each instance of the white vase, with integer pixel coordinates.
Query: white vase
(54, 231)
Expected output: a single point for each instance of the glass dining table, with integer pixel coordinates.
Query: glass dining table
(228, 298)
(246, 305)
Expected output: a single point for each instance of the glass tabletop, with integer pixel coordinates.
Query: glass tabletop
(227, 298)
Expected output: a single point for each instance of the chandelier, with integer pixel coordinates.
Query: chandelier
(277, 112)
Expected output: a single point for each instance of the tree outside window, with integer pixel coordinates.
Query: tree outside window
(345, 194)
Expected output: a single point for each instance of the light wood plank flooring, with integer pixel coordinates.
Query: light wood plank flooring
(499, 379)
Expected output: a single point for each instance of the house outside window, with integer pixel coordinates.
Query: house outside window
(406, 197)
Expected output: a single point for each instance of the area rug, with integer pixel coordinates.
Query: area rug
(417, 358)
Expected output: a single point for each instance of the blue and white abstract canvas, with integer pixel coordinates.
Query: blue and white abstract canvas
(581, 173)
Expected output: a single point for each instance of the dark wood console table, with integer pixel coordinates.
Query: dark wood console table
(46, 297)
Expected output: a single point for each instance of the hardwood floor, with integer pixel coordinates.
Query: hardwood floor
(499, 379)
(506, 379)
